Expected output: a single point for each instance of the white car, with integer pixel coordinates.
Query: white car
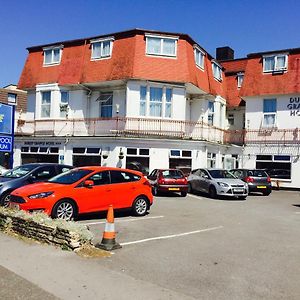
(217, 182)
(3, 170)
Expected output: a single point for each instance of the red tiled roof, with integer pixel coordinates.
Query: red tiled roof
(128, 61)
(237, 65)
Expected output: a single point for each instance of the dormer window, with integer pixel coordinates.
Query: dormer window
(217, 71)
(161, 46)
(240, 79)
(52, 55)
(102, 48)
(273, 63)
(199, 57)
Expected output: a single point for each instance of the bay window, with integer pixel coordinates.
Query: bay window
(156, 101)
(211, 112)
(168, 103)
(45, 104)
(64, 102)
(143, 100)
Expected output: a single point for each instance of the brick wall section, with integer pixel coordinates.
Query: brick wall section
(21, 98)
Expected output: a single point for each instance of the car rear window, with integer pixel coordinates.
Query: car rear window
(257, 173)
(171, 174)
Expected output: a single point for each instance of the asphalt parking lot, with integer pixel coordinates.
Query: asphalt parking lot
(212, 249)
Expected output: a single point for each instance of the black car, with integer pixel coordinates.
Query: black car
(258, 180)
(27, 174)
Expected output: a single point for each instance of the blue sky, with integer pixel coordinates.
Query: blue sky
(246, 26)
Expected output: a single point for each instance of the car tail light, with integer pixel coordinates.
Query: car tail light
(249, 179)
(268, 179)
(160, 180)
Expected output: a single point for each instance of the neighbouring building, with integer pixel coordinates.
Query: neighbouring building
(11, 95)
(147, 99)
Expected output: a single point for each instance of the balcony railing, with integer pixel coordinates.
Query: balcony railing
(123, 126)
(156, 128)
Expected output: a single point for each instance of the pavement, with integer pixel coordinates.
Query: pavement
(186, 248)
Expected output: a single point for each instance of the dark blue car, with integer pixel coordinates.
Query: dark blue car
(27, 174)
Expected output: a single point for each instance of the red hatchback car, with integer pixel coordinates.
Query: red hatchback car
(85, 190)
(168, 180)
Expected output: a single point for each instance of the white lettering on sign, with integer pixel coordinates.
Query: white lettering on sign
(4, 147)
(5, 140)
(294, 106)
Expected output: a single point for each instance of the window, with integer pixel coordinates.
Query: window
(156, 101)
(143, 100)
(46, 104)
(240, 79)
(276, 166)
(100, 178)
(102, 48)
(106, 102)
(44, 173)
(231, 119)
(270, 109)
(161, 46)
(138, 159)
(121, 177)
(199, 58)
(168, 103)
(275, 63)
(11, 98)
(211, 112)
(64, 101)
(217, 71)
(52, 55)
(211, 160)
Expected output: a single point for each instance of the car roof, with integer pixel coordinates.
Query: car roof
(45, 164)
(99, 168)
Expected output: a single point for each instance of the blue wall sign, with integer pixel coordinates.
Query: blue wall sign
(6, 119)
(6, 143)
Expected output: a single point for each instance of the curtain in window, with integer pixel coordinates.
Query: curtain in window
(106, 107)
(56, 55)
(269, 120)
(169, 47)
(143, 94)
(155, 102)
(210, 113)
(46, 104)
(280, 62)
(48, 56)
(153, 45)
(106, 49)
(269, 63)
(96, 50)
(168, 106)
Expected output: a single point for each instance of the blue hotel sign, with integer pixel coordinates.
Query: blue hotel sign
(6, 143)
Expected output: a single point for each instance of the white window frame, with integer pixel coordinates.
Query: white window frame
(46, 104)
(180, 154)
(211, 159)
(270, 114)
(163, 102)
(220, 71)
(240, 79)
(52, 63)
(202, 53)
(101, 41)
(12, 98)
(64, 106)
(211, 113)
(230, 119)
(162, 38)
(276, 69)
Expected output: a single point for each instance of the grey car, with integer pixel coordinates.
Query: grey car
(217, 182)
(27, 174)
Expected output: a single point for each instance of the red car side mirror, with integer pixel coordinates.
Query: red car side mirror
(88, 183)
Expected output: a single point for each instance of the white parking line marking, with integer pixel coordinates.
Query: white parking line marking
(171, 236)
(126, 220)
(196, 197)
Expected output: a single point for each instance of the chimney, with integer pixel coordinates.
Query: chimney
(224, 53)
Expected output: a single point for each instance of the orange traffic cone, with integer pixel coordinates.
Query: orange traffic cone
(108, 242)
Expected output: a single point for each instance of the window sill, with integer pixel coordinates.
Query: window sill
(199, 67)
(51, 64)
(161, 56)
(100, 58)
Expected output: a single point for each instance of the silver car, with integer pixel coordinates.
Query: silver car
(217, 182)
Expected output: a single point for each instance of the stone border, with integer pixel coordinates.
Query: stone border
(65, 234)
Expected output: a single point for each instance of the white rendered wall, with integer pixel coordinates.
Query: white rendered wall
(238, 114)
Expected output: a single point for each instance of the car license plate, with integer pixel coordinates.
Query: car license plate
(238, 190)
(261, 187)
(14, 206)
(173, 189)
